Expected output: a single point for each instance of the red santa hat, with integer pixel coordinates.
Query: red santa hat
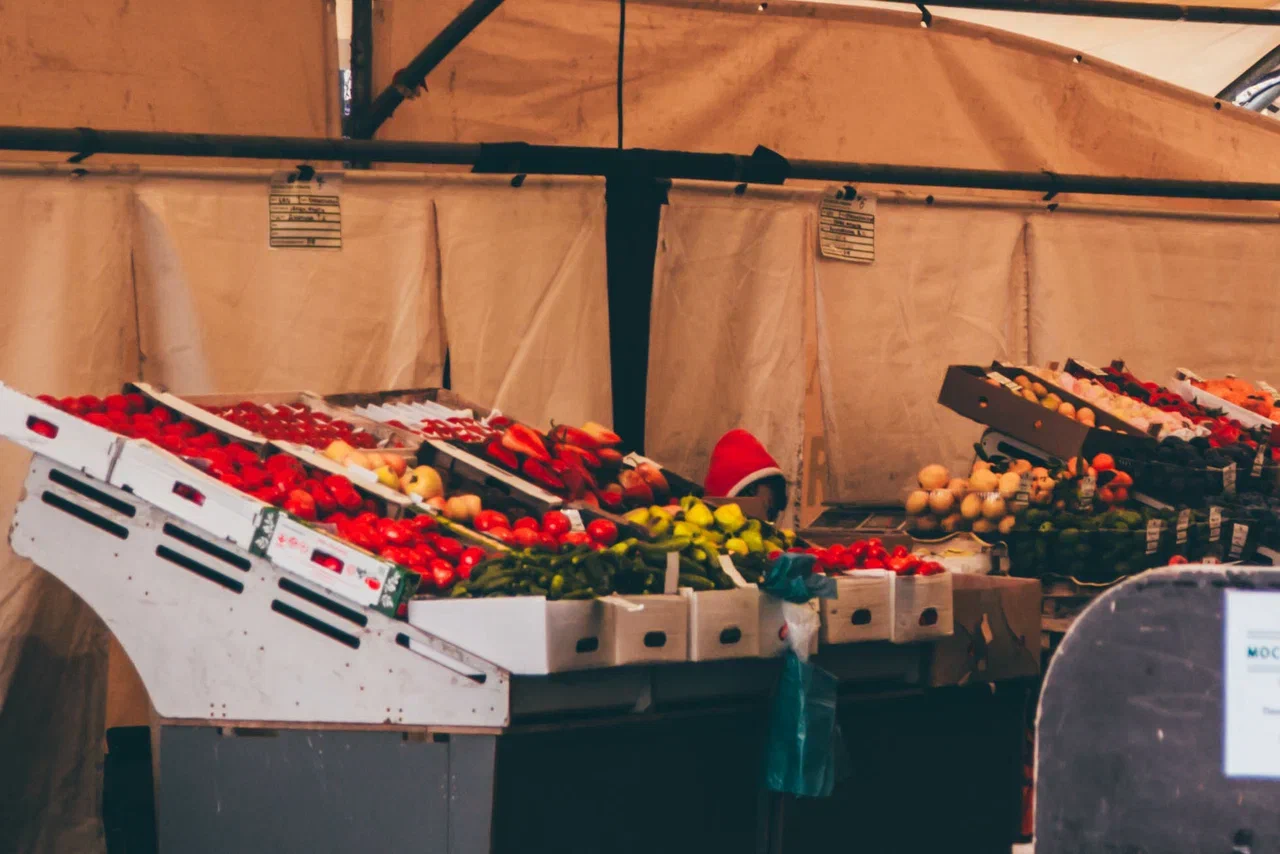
(737, 461)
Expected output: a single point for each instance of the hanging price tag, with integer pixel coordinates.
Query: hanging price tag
(575, 520)
(1239, 536)
(1184, 523)
(1024, 488)
(1085, 492)
(847, 227)
(1215, 524)
(1229, 479)
(1154, 528)
(1005, 381)
(671, 583)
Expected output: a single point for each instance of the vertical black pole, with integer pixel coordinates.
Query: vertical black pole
(361, 70)
(631, 235)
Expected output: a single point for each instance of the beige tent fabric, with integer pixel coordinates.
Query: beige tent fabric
(68, 328)
(221, 311)
(811, 81)
(726, 349)
(947, 287)
(200, 66)
(525, 292)
(1159, 293)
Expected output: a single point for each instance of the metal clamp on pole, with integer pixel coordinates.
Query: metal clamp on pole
(90, 145)
(766, 166)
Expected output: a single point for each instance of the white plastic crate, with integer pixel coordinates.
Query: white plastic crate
(165, 480)
(522, 634)
(359, 576)
(862, 609)
(922, 607)
(74, 442)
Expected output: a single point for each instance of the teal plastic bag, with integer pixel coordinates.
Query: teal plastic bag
(802, 743)
(792, 577)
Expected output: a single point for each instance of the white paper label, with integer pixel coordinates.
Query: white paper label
(1190, 376)
(671, 583)
(1005, 381)
(1090, 368)
(1229, 480)
(1087, 487)
(1239, 536)
(1251, 684)
(847, 228)
(1215, 524)
(1259, 458)
(726, 563)
(305, 214)
(575, 520)
(1268, 389)
(1154, 528)
(1184, 522)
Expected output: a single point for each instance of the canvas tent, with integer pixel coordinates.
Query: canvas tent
(164, 273)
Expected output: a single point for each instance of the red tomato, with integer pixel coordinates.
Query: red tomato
(528, 522)
(555, 523)
(873, 563)
(576, 538)
(603, 532)
(525, 537)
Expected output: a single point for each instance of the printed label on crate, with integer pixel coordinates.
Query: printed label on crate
(575, 519)
(1184, 523)
(1229, 479)
(1154, 529)
(331, 563)
(305, 211)
(1239, 536)
(1215, 524)
(726, 563)
(847, 227)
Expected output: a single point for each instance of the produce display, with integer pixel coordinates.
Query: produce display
(1108, 398)
(945, 504)
(1038, 392)
(839, 559)
(1242, 393)
(294, 422)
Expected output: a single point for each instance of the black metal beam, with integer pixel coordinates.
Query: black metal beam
(762, 167)
(1116, 9)
(413, 76)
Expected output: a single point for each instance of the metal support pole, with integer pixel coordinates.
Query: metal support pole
(361, 61)
(762, 167)
(1118, 9)
(413, 76)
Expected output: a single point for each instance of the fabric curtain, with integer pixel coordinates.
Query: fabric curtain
(948, 286)
(525, 289)
(68, 328)
(731, 277)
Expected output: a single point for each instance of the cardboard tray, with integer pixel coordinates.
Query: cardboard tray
(862, 609)
(526, 635)
(966, 391)
(723, 623)
(656, 633)
(997, 632)
(75, 442)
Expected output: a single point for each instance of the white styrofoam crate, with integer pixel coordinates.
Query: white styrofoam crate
(1182, 385)
(362, 577)
(922, 607)
(219, 633)
(723, 623)
(76, 443)
(657, 632)
(165, 480)
(521, 634)
(862, 609)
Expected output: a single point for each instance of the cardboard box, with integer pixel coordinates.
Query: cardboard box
(997, 632)
(75, 442)
(658, 632)
(723, 623)
(845, 523)
(922, 607)
(965, 390)
(359, 576)
(522, 634)
(862, 609)
(170, 483)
